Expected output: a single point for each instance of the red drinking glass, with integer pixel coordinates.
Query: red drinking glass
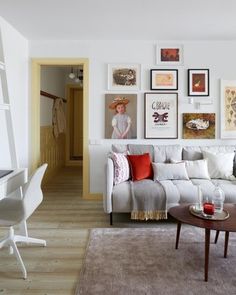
(208, 208)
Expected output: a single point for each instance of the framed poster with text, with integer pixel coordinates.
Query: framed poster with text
(161, 115)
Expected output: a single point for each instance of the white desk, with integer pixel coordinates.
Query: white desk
(12, 181)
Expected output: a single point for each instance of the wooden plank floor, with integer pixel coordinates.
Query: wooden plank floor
(63, 220)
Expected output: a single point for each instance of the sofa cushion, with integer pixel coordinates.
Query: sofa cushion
(219, 148)
(121, 197)
(220, 165)
(196, 169)
(172, 192)
(195, 152)
(141, 167)
(207, 187)
(166, 171)
(228, 187)
(222, 149)
(119, 148)
(164, 153)
(192, 153)
(187, 191)
(139, 149)
(121, 167)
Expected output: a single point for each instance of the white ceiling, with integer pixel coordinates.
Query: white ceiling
(122, 19)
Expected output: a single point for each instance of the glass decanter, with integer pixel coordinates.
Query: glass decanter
(219, 197)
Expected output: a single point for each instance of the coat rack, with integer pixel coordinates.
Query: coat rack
(44, 93)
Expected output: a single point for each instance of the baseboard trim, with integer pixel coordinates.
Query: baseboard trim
(93, 197)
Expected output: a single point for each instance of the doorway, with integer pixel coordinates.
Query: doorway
(35, 116)
(61, 118)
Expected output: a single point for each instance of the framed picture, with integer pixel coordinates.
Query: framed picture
(161, 115)
(228, 109)
(199, 126)
(123, 76)
(169, 54)
(164, 79)
(198, 82)
(121, 116)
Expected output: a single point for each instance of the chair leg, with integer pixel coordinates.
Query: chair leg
(13, 246)
(4, 242)
(24, 239)
(17, 253)
(11, 240)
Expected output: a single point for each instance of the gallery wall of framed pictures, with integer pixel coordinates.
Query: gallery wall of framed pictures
(161, 116)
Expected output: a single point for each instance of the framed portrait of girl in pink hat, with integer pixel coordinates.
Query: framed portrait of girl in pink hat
(121, 116)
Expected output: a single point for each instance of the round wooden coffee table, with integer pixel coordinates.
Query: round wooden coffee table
(182, 214)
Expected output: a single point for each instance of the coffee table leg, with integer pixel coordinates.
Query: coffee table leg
(207, 246)
(217, 235)
(226, 243)
(178, 234)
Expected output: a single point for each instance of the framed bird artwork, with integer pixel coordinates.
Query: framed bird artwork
(198, 82)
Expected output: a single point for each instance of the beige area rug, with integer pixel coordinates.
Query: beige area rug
(143, 261)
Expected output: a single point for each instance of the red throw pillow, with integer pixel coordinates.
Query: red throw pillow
(141, 166)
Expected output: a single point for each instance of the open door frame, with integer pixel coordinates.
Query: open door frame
(35, 115)
(70, 162)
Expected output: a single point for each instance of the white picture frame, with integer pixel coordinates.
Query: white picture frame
(169, 54)
(124, 77)
(161, 115)
(228, 109)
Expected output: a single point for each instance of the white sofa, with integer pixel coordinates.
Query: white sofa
(117, 198)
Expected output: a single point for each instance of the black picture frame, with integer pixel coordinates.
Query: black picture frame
(198, 82)
(163, 79)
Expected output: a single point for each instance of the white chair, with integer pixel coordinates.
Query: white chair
(14, 211)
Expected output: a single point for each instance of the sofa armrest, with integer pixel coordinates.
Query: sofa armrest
(107, 196)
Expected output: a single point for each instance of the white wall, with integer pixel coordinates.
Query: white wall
(17, 68)
(218, 56)
(53, 82)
